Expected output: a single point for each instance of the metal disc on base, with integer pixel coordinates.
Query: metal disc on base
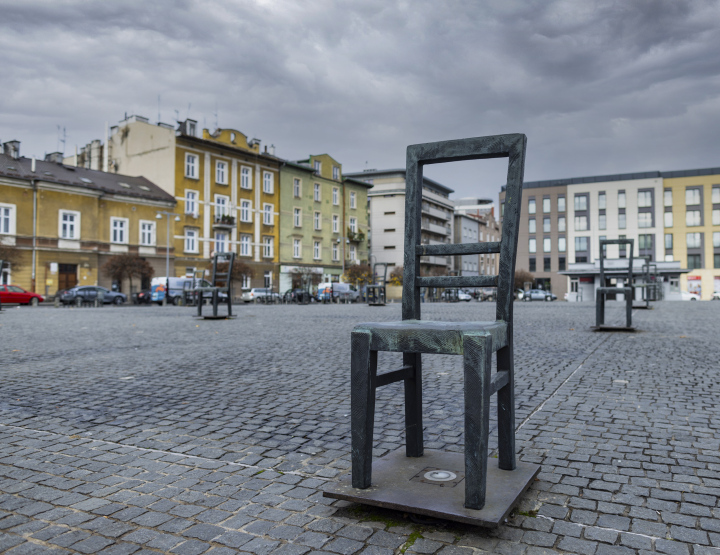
(434, 485)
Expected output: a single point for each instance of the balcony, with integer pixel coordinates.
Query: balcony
(435, 213)
(434, 260)
(433, 228)
(224, 222)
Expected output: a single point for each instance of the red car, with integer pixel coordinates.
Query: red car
(14, 294)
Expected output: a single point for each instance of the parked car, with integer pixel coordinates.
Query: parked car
(686, 296)
(177, 285)
(15, 294)
(260, 295)
(519, 294)
(487, 294)
(339, 292)
(463, 296)
(538, 295)
(88, 293)
(716, 296)
(297, 296)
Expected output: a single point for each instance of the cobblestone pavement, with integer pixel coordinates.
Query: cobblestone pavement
(143, 430)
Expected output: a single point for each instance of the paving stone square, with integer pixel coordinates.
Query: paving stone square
(143, 430)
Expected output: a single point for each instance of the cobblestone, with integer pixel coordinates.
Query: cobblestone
(219, 446)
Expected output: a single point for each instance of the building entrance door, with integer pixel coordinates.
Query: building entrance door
(67, 276)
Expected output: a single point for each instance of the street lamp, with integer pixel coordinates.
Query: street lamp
(347, 242)
(159, 216)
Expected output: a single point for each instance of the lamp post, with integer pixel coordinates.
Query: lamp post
(159, 216)
(347, 242)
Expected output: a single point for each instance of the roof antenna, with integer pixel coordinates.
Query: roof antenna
(177, 116)
(159, 118)
(188, 111)
(216, 114)
(61, 139)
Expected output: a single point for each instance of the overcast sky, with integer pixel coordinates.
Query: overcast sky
(598, 86)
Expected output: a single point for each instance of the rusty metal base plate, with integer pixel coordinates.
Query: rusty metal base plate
(400, 483)
(613, 328)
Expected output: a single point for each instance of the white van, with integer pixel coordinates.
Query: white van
(340, 291)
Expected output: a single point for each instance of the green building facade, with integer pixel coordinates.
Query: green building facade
(323, 222)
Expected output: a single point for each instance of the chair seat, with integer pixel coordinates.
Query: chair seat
(427, 336)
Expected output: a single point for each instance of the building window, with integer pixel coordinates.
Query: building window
(502, 209)
(353, 253)
(581, 202)
(561, 264)
(716, 239)
(69, 224)
(716, 217)
(335, 223)
(267, 279)
(336, 173)
(316, 192)
(245, 182)
(297, 248)
(316, 250)
(245, 211)
(668, 241)
(668, 217)
(716, 194)
(562, 244)
(602, 221)
(221, 241)
(353, 200)
(531, 225)
(645, 242)
(268, 183)
(335, 252)
(531, 206)
(694, 262)
(246, 281)
(602, 201)
(692, 196)
(581, 244)
(317, 166)
(621, 199)
(547, 244)
(693, 240)
(546, 205)
(317, 220)
(245, 245)
(645, 219)
(546, 264)
(692, 218)
(222, 206)
(297, 217)
(581, 222)
(561, 204)
(191, 206)
(118, 230)
(532, 245)
(644, 199)
(147, 234)
(622, 221)
(716, 260)
(546, 225)
(335, 196)
(7, 220)
(667, 197)
(191, 166)
(353, 225)
(531, 264)
(561, 224)
(191, 240)
(296, 187)
(221, 173)
(267, 247)
(267, 214)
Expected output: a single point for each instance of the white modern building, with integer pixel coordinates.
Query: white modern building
(474, 222)
(387, 219)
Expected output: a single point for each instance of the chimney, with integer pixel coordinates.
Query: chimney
(12, 149)
(56, 157)
(272, 150)
(32, 165)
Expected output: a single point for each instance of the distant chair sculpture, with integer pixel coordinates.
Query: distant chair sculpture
(221, 282)
(1, 269)
(377, 291)
(474, 341)
(603, 291)
(190, 295)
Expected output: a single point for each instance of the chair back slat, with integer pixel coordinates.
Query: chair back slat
(458, 281)
(604, 242)
(497, 146)
(448, 249)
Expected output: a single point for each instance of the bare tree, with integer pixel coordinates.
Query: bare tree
(127, 266)
(522, 277)
(11, 255)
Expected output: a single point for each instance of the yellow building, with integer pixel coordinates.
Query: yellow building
(65, 222)
(226, 188)
(691, 203)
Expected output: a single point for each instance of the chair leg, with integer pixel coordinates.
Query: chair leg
(628, 311)
(229, 302)
(199, 298)
(506, 409)
(363, 375)
(477, 362)
(600, 309)
(413, 406)
(215, 302)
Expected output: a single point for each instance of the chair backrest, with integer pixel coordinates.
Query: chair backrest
(604, 242)
(495, 146)
(221, 273)
(378, 278)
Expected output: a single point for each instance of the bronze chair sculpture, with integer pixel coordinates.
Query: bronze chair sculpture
(221, 282)
(603, 291)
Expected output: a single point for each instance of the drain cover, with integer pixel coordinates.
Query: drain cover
(440, 476)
